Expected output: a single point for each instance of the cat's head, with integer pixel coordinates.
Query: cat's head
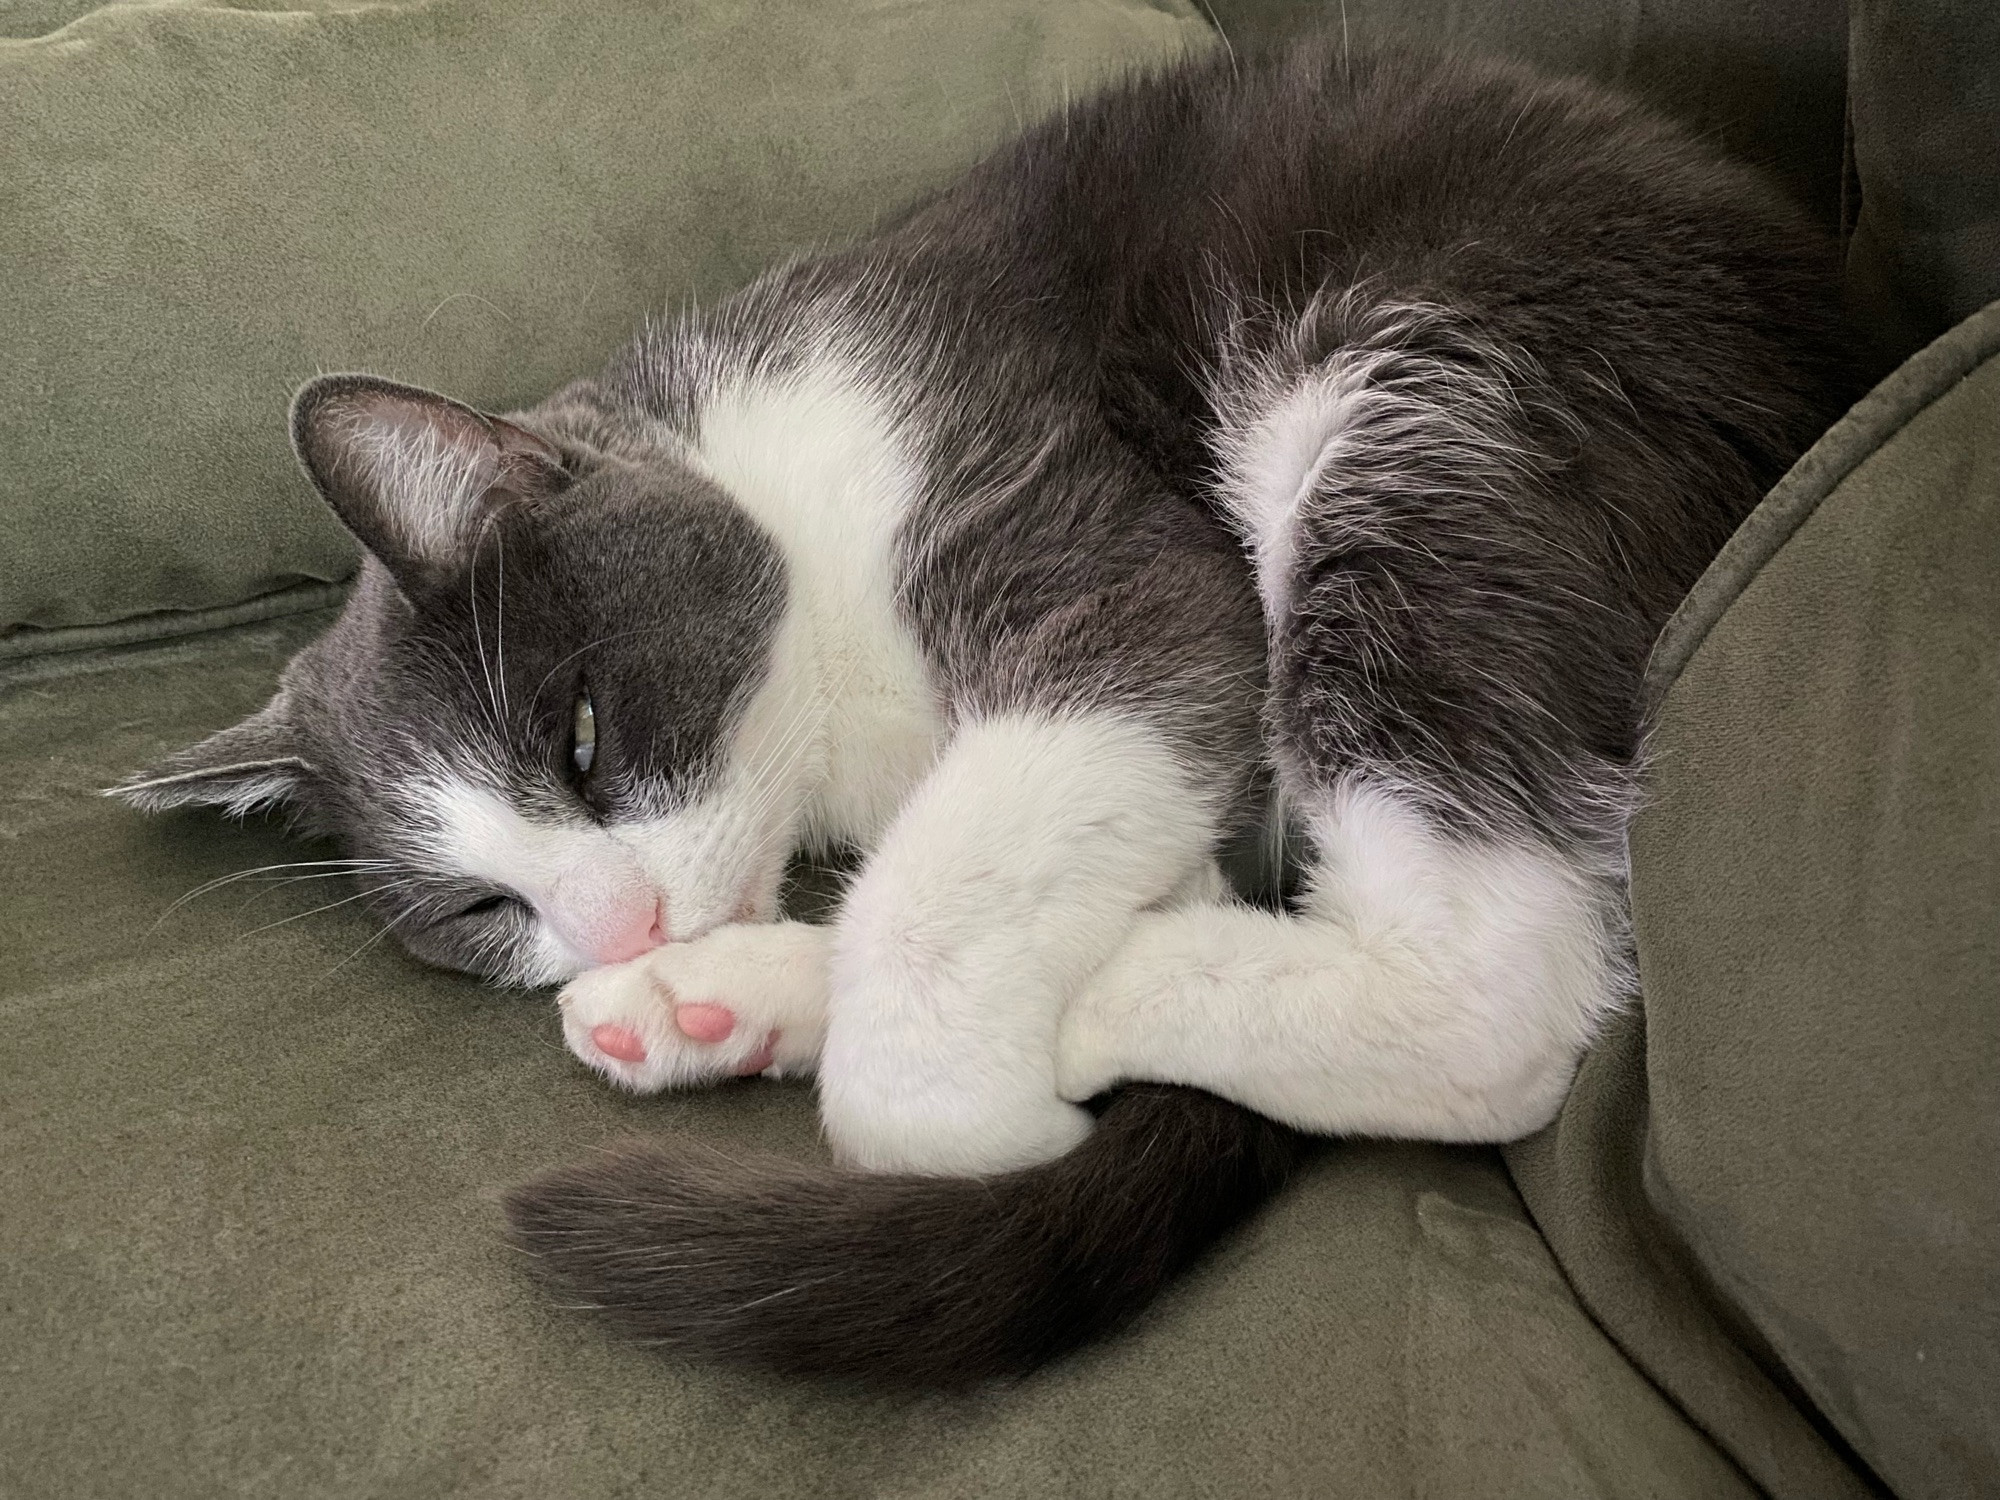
(553, 722)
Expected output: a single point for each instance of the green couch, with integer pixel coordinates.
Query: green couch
(251, 1157)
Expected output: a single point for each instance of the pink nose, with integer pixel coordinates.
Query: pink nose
(647, 931)
(621, 1042)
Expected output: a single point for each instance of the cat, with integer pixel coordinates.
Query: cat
(1312, 431)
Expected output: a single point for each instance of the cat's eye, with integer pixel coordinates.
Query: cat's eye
(484, 906)
(583, 735)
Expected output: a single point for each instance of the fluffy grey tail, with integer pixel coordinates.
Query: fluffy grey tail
(902, 1280)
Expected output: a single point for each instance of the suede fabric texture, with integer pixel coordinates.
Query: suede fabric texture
(1817, 886)
(205, 206)
(1924, 111)
(1775, 1187)
(251, 1242)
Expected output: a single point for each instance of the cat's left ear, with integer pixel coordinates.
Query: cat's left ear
(246, 768)
(415, 475)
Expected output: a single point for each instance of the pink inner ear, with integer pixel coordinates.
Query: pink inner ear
(407, 469)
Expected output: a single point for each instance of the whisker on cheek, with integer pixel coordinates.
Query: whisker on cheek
(377, 890)
(336, 867)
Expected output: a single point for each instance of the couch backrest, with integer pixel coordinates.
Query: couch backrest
(1816, 893)
(1924, 166)
(203, 207)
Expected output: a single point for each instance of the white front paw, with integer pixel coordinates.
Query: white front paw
(744, 999)
(889, 1114)
(1087, 1042)
(1110, 1028)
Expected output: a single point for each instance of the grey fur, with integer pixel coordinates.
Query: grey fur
(1591, 345)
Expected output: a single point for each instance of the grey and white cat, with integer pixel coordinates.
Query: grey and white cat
(1329, 431)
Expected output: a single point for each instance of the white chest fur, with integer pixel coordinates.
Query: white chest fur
(814, 458)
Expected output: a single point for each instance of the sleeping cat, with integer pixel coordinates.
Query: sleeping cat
(1321, 433)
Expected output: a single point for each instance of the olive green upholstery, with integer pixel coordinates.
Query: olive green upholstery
(1924, 172)
(251, 1156)
(206, 206)
(1776, 1186)
(250, 1236)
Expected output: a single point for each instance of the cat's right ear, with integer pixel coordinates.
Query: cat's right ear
(243, 769)
(414, 475)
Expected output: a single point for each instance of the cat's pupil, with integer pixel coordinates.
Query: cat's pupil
(583, 735)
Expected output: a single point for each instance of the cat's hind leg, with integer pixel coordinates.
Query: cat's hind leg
(1458, 593)
(1428, 986)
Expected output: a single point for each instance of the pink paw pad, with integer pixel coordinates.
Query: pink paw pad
(621, 1042)
(705, 1023)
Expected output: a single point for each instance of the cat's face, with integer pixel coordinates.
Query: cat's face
(555, 720)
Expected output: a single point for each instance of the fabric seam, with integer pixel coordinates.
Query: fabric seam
(1915, 385)
(27, 643)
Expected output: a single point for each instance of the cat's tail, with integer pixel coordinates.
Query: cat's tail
(902, 1280)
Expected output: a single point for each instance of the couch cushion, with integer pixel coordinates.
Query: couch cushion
(1924, 105)
(1780, 1181)
(251, 1242)
(204, 206)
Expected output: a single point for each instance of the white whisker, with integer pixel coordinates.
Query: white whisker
(342, 867)
(375, 890)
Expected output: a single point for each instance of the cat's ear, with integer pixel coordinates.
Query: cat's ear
(246, 768)
(415, 475)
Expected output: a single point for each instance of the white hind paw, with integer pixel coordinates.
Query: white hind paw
(742, 1000)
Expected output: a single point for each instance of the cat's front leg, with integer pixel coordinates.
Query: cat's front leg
(743, 999)
(1007, 878)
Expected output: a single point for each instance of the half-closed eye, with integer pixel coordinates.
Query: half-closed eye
(485, 904)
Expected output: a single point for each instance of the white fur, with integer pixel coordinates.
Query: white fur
(587, 887)
(249, 787)
(1275, 463)
(1006, 879)
(1382, 413)
(1431, 988)
(771, 975)
(816, 462)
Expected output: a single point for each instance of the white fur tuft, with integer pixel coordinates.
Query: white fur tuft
(433, 484)
(1358, 392)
